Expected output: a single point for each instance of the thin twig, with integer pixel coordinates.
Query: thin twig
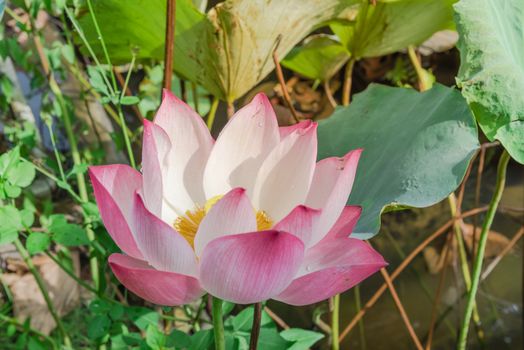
(501, 255)
(329, 94)
(282, 82)
(276, 318)
(400, 308)
(170, 43)
(403, 265)
(438, 293)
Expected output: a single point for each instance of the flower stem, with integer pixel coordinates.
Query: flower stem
(218, 324)
(255, 328)
(334, 323)
(477, 266)
(212, 113)
(348, 80)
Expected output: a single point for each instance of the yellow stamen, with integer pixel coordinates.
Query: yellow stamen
(187, 225)
(263, 221)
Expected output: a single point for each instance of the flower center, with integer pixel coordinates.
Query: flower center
(187, 224)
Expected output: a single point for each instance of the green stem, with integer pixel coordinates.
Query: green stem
(55, 151)
(212, 113)
(121, 115)
(81, 182)
(70, 273)
(348, 82)
(103, 44)
(418, 68)
(41, 285)
(477, 266)
(335, 323)
(218, 325)
(195, 96)
(463, 258)
(82, 36)
(55, 179)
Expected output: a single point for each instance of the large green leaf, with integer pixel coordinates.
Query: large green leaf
(417, 147)
(492, 68)
(391, 26)
(227, 51)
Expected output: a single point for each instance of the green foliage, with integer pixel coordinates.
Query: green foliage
(302, 339)
(15, 174)
(37, 242)
(65, 233)
(10, 223)
(320, 57)
(389, 26)
(417, 147)
(491, 73)
(370, 31)
(238, 33)
(2, 7)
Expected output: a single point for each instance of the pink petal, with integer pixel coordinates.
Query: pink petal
(250, 267)
(162, 247)
(191, 144)
(155, 148)
(159, 287)
(114, 187)
(285, 176)
(241, 148)
(299, 222)
(330, 190)
(331, 268)
(232, 214)
(345, 223)
(288, 130)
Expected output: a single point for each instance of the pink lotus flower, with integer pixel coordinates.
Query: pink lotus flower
(247, 218)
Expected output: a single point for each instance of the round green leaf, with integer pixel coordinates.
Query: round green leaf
(10, 224)
(417, 147)
(37, 242)
(491, 73)
(21, 174)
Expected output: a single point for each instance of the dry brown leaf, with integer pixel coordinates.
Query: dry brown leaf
(28, 301)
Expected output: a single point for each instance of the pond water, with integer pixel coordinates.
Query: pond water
(500, 295)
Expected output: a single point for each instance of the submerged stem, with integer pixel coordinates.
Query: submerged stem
(218, 324)
(477, 266)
